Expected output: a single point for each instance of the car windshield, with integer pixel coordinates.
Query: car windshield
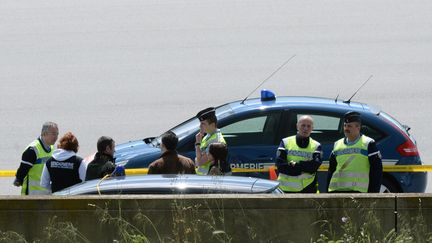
(186, 128)
(182, 131)
(191, 126)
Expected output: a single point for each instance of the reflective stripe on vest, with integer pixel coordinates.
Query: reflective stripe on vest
(203, 169)
(216, 137)
(295, 183)
(295, 153)
(352, 170)
(36, 189)
(33, 178)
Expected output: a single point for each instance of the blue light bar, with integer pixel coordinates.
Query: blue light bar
(267, 95)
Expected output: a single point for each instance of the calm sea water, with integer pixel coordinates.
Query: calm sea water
(133, 69)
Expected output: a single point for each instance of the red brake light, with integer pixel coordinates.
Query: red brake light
(408, 149)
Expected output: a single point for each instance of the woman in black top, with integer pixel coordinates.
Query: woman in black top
(218, 153)
(64, 168)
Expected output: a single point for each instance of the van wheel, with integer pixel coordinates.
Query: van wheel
(388, 186)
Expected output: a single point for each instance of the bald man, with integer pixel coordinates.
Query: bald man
(298, 159)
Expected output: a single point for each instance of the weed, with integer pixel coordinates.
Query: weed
(362, 225)
(198, 222)
(62, 232)
(11, 236)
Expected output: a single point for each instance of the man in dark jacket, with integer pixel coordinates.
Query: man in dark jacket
(298, 159)
(170, 161)
(103, 163)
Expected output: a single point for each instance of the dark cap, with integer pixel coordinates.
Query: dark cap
(206, 114)
(352, 116)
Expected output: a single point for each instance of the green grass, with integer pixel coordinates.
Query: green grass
(363, 226)
(205, 222)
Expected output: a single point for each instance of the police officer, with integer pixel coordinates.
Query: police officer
(209, 133)
(355, 162)
(298, 159)
(33, 160)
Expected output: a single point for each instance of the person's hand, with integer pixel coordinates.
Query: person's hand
(198, 137)
(119, 170)
(17, 183)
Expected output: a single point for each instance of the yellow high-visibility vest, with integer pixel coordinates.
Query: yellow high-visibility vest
(295, 153)
(215, 137)
(352, 170)
(33, 178)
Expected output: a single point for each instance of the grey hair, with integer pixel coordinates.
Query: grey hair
(47, 125)
(305, 117)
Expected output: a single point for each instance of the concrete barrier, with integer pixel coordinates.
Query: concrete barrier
(209, 218)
